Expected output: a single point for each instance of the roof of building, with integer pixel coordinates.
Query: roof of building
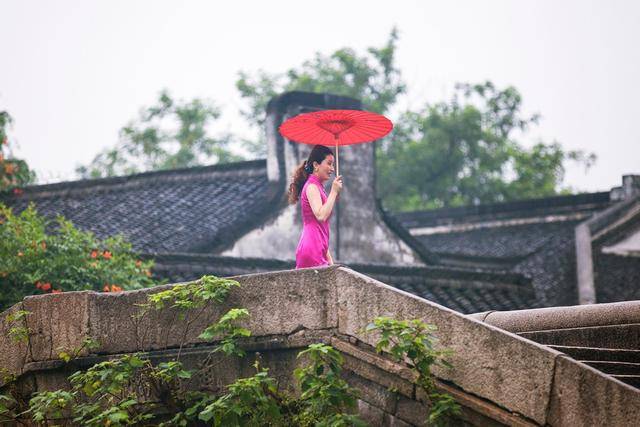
(533, 237)
(183, 210)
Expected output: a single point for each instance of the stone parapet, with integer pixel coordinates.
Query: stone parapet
(499, 378)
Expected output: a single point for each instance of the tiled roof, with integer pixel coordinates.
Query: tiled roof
(463, 290)
(186, 210)
(534, 238)
(547, 206)
(497, 242)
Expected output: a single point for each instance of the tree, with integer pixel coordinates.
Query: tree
(14, 173)
(465, 152)
(448, 154)
(372, 78)
(153, 142)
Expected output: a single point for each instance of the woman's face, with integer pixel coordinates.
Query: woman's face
(325, 169)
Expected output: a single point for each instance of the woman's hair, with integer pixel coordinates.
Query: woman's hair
(302, 172)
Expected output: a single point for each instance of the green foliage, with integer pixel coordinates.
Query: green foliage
(325, 395)
(373, 78)
(250, 401)
(228, 332)
(191, 295)
(34, 260)
(14, 173)
(8, 405)
(69, 354)
(465, 152)
(103, 395)
(414, 340)
(16, 322)
(152, 142)
(50, 405)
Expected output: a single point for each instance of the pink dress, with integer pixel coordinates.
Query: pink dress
(314, 241)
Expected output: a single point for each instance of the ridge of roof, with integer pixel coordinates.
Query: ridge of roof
(248, 168)
(527, 207)
(618, 216)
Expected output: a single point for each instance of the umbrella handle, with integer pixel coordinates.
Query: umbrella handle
(337, 160)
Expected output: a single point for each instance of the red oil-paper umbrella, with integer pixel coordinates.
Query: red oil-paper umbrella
(335, 128)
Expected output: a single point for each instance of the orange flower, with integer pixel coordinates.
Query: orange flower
(38, 285)
(94, 254)
(17, 191)
(56, 291)
(45, 286)
(148, 273)
(43, 245)
(106, 255)
(138, 263)
(112, 288)
(20, 253)
(94, 264)
(9, 168)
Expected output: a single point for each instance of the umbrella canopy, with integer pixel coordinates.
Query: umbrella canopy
(335, 128)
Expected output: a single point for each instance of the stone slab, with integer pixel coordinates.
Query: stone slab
(491, 363)
(13, 354)
(611, 336)
(58, 322)
(279, 303)
(540, 319)
(583, 396)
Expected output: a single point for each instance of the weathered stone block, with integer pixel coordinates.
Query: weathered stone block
(541, 319)
(58, 322)
(391, 421)
(491, 363)
(611, 336)
(373, 393)
(308, 296)
(412, 411)
(369, 413)
(286, 301)
(14, 353)
(583, 396)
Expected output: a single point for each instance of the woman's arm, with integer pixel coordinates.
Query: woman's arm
(322, 211)
(329, 257)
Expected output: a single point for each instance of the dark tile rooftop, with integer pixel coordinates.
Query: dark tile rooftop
(188, 210)
(535, 238)
(496, 242)
(556, 205)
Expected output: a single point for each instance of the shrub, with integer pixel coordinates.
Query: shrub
(36, 261)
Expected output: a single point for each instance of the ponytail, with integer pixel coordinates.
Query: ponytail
(298, 179)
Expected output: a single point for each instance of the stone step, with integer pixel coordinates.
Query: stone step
(600, 354)
(632, 380)
(610, 336)
(614, 368)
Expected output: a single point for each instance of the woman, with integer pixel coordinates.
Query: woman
(307, 186)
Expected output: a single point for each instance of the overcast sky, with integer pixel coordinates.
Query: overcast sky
(74, 72)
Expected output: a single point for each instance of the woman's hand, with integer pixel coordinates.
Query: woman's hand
(337, 184)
